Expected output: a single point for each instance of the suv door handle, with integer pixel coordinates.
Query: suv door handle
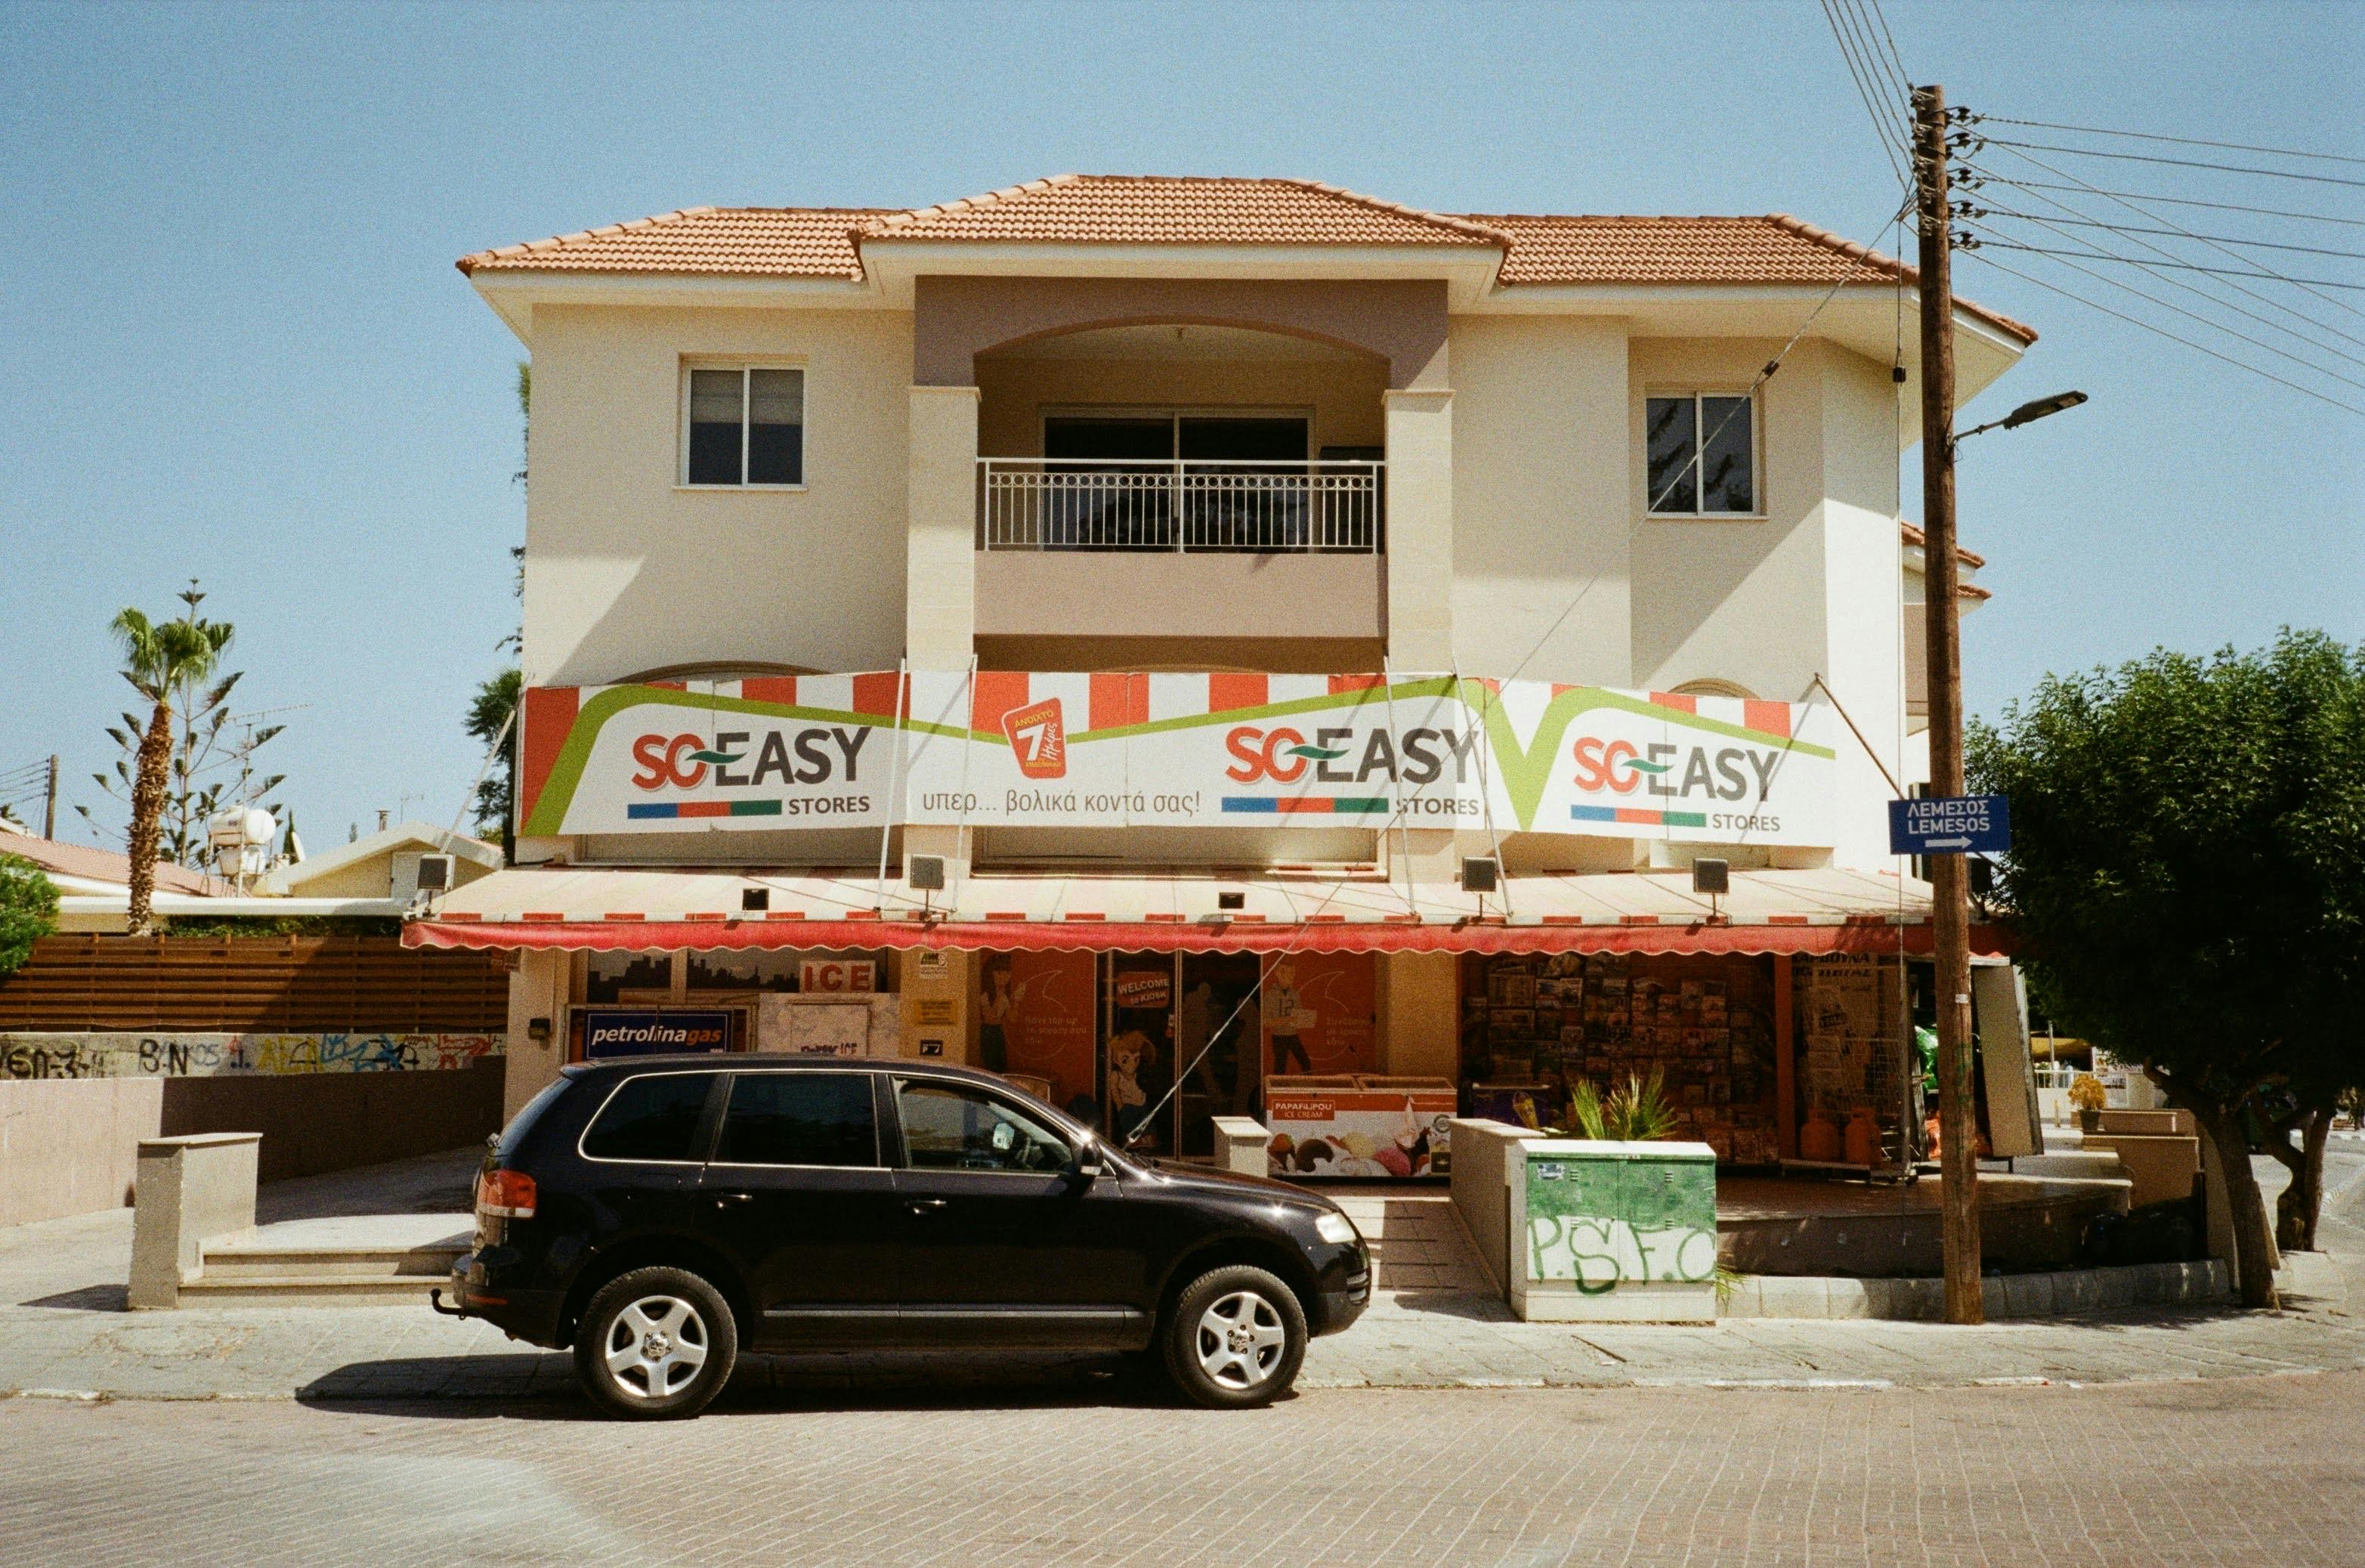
(722, 1198)
(925, 1206)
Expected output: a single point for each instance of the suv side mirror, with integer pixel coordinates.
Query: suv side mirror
(1088, 1164)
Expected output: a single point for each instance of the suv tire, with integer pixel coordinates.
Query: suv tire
(1234, 1338)
(656, 1344)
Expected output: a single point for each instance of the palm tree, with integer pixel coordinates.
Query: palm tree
(158, 660)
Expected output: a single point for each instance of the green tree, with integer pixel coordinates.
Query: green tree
(160, 659)
(497, 697)
(28, 910)
(2187, 879)
(209, 741)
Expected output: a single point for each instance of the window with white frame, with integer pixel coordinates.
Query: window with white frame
(1703, 451)
(743, 424)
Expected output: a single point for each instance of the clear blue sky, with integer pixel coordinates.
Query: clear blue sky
(232, 343)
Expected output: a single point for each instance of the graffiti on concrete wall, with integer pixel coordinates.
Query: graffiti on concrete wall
(1599, 1221)
(172, 1054)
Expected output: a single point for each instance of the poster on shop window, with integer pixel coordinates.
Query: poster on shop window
(1005, 748)
(1037, 1016)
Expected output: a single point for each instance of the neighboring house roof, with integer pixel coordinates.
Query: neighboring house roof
(1145, 209)
(401, 836)
(761, 242)
(88, 862)
(1916, 539)
(1129, 209)
(1920, 541)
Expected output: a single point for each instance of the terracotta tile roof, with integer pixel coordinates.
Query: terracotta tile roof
(1145, 209)
(765, 242)
(105, 865)
(1775, 248)
(1152, 209)
(1920, 541)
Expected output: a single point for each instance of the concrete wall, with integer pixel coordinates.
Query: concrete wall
(627, 571)
(68, 1146)
(373, 878)
(1540, 497)
(1124, 594)
(328, 1122)
(182, 1053)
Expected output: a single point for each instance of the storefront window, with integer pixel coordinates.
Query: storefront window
(609, 977)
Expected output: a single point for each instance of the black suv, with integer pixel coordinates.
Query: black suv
(656, 1213)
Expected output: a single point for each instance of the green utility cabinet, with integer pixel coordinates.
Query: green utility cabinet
(1613, 1232)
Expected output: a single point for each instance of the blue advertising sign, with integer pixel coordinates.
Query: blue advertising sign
(1950, 824)
(644, 1032)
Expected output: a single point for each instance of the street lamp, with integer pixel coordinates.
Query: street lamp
(2027, 414)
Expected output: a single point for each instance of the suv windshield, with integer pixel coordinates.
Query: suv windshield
(948, 1127)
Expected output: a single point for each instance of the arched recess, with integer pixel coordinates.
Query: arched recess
(1712, 686)
(955, 319)
(714, 670)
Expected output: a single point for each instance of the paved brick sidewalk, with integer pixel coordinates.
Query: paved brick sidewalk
(2259, 1471)
(61, 1331)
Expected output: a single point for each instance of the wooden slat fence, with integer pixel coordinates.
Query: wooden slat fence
(297, 984)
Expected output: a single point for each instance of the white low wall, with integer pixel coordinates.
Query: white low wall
(69, 1148)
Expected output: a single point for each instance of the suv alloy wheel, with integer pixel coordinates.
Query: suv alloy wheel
(1234, 1338)
(655, 1343)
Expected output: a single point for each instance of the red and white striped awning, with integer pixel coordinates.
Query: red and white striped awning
(610, 908)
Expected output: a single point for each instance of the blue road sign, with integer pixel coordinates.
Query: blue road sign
(1950, 824)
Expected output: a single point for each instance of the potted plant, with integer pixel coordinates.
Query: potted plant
(2086, 1093)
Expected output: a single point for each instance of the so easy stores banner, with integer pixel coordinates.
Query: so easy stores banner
(1052, 750)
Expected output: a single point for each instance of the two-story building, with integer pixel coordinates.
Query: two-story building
(1066, 627)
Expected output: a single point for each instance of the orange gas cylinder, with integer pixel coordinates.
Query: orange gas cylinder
(1863, 1137)
(1819, 1139)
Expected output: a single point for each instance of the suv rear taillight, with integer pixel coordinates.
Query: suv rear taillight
(506, 1194)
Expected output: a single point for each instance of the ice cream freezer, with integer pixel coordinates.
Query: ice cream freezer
(1358, 1124)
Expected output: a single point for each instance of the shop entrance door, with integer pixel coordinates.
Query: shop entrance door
(1213, 1003)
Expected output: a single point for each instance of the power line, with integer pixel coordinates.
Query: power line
(1882, 127)
(2124, 197)
(2325, 328)
(1891, 69)
(2139, 293)
(2178, 162)
(2153, 136)
(2164, 332)
(2189, 234)
(2187, 266)
(2131, 207)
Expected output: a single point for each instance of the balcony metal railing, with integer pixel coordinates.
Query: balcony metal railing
(1037, 503)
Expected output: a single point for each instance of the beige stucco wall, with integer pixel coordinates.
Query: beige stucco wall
(626, 571)
(371, 878)
(1540, 508)
(69, 1145)
(1811, 587)
(539, 987)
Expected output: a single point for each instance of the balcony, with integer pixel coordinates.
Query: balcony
(1113, 563)
(1180, 505)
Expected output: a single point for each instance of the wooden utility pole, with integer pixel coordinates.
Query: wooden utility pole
(49, 803)
(1958, 1169)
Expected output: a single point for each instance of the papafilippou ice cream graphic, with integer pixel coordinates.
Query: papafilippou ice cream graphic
(1014, 748)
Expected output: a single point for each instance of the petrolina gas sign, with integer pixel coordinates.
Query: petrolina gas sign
(1059, 750)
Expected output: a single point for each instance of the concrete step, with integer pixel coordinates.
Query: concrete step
(307, 1290)
(337, 1262)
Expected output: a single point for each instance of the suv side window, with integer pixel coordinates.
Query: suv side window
(800, 1118)
(950, 1127)
(652, 1117)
